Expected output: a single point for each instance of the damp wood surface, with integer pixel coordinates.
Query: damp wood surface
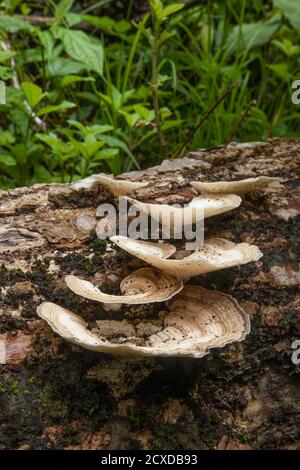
(54, 395)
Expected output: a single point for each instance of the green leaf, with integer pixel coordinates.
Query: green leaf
(100, 129)
(5, 73)
(106, 154)
(165, 35)
(115, 142)
(12, 24)
(287, 47)
(4, 55)
(282, 70)
(156, 7)
(79, 46)
(61, 67)
(6, 138)
(62, 9)
(104, 22)
(56, 108)
(251, 35)
(7, 159)
(69, 79)
(47, 42)
(122, 26)
(32, 92)
(291, 10)
(169, 10)
(73, 19)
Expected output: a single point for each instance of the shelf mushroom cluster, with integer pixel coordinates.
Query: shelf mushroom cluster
(196, 319)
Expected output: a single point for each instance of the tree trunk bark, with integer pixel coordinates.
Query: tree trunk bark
(55, 395)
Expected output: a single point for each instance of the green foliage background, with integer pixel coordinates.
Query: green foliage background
(78, 92)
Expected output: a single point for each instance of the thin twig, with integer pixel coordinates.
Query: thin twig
(239, 123)
(182, 146)
(15, 81)
(157, 113)
(32, 19)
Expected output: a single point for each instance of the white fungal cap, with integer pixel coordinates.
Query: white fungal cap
(146, 285)
(116, 187)
(167, 214)
(237, 187)
(216, 254)
(198, 320)
(141, 248)
(201, 319)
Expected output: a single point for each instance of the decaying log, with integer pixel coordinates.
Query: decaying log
(55, 395)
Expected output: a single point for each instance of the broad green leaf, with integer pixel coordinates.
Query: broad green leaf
(102, 22)
(116, 98)
(291, 10)
(56, 108)
(47, 42)
(157, 7)
(6, 138)
(7, 159)
(62, 9)
(251, 35)
(62, 67)
(79, 46)
(169, 10)
(12, 24)
(73, 19)
(4, 55)
(32, 92)
(76, 124)
(92, 147)
(50, 139)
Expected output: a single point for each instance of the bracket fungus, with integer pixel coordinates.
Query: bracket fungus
(212, 205)
(216, 253)
(240, 187)
(146, 285)
(197, 320)
(116, 187)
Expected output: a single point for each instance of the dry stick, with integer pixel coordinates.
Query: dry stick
(36, 19)
(239, 123)
(204, 118)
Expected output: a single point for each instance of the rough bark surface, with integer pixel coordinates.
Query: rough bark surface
(55, 395)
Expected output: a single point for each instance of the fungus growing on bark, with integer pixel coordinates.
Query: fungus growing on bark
(211, 205)
(146, 285)
(236, 187)
(198, 320)
(215, 254)
(116, 187)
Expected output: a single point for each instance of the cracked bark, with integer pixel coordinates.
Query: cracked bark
(55, 395)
